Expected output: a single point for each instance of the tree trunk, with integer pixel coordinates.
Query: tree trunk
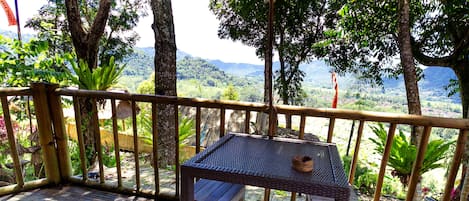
(462, 70)
(86, 45)
(261, 118)
(165, 78)
(410, 74)
(407, 62)
(283, 85)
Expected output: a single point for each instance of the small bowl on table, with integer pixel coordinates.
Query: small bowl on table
(302, 163)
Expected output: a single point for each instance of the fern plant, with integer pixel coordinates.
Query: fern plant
(403, 153)
(186, 126)
(100, 78)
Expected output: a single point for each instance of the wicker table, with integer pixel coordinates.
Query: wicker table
(257, 161)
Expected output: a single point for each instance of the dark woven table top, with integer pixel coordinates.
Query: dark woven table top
(259, 161)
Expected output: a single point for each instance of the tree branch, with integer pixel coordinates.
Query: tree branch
(427, 60)
(97, 29)
(76, 29)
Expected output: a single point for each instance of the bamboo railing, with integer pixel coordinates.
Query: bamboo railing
(58, 165)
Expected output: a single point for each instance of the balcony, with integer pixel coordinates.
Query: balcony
(57, 157)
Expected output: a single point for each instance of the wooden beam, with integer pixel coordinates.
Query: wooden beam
(415, 175)
(453, 171)
(330, 131)
(384, 161)
(12, 142)
(81, 141)
(136, 158)
(115, 133)
(61, 137)
(354, 161)
(198, 123)
(46, 139)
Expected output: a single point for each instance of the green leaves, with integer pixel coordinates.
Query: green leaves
(100, 78)
(119, 37)
(24, 62)
(403, 153)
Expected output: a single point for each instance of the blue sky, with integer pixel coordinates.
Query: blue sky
(195, 27)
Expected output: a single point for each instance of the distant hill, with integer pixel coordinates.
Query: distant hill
(140, 65)
(239, 69)
(209, 74)
(434, 81)
(141, 62)
(318, 73)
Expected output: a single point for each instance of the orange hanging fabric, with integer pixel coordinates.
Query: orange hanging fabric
(8, 12)
(336, 88)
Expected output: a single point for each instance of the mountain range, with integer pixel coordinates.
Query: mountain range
(318, 73)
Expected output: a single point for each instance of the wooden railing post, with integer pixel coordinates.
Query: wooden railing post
(457, 156)
(61, 137)
(46, 139)
(12, 142)
(415, 175)
(354, 161)
(384, 161)
(330, 132)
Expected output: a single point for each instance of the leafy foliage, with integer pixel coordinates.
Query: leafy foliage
(403, 153)
(230, 93)
(100, 78)
(119, 38)
(200, 69)
(298, 25)
(186, 125)
(198, 78)
(23, 63)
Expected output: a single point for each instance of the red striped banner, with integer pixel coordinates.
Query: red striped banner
(336, 88)
(8, 12)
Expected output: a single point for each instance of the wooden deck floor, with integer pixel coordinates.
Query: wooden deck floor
(69, 193)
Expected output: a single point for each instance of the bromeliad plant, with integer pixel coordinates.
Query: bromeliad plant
(403, 153)
(100, 78)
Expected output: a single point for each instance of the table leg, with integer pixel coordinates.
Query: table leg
(187, 186)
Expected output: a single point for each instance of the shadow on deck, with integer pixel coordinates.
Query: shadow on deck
(66, 193)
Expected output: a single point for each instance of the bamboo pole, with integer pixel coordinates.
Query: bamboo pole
(266, 194)
(116, 142)
(415, 175)
(29, 185)
(97, 137)
(300, 136)
(458, 153)
(353, 166)
(293, 196)
(302, 127)
(12, 142)
(416, 120)
(191, 102)
(137, 162)
(197, 130)
(61, 137)
(330, 132)
(222, 122)
(123, 190)
(15, 91)
(247, 121)
(46, 140)
(81, 143)
(154, 123)
(176, 139)
(384, 161)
